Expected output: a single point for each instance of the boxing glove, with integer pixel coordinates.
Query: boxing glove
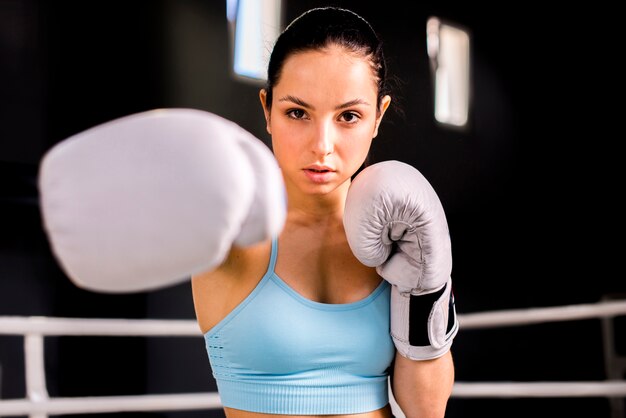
(394, 221)
(147, 200)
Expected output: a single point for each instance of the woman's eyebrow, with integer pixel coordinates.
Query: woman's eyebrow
(296, 100)
(352, 103)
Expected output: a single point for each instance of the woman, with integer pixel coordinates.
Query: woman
(298, 326)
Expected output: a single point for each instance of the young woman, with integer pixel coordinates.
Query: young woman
(298, 325)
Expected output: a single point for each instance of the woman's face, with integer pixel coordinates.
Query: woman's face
(323, 118)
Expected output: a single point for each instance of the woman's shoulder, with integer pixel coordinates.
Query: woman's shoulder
(217, 292)
(239, 263)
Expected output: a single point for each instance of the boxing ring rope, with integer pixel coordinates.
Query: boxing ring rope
(38, 404)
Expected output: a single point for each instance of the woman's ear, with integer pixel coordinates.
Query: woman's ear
(266, 110)
(384, 104)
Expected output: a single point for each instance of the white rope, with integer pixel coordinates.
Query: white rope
(99, 404)
(85, 326)
(538, 315)
(150, 327)
(539, 389)
(211, 400)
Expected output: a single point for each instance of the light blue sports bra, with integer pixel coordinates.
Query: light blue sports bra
(280, 353)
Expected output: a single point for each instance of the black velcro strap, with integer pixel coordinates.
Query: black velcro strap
(420, 307)
(451, 313)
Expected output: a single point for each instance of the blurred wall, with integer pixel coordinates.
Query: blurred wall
(530, 188)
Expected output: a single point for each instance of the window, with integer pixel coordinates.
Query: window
(254, 26)
(449, 53)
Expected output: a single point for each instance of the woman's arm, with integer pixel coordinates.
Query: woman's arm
(422, 388)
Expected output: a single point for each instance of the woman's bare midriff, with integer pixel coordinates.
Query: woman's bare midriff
(379, 413)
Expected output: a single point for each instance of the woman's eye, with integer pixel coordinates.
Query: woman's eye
(296, 113)
(350, 117)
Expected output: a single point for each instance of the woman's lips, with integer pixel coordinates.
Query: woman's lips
(319, 174)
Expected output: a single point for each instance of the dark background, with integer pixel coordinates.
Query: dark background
(531, 188)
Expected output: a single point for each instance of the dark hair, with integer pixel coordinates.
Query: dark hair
(322, 27)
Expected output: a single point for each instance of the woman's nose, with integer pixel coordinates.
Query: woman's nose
(324, 141)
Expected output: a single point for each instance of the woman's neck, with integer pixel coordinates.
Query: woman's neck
(315, 209)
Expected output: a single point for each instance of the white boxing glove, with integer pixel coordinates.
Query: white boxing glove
(394, 221)
(147, 200)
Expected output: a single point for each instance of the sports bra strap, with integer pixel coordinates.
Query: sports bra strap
(273, 255)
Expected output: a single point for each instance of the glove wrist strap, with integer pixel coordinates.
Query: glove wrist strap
(423, 326)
